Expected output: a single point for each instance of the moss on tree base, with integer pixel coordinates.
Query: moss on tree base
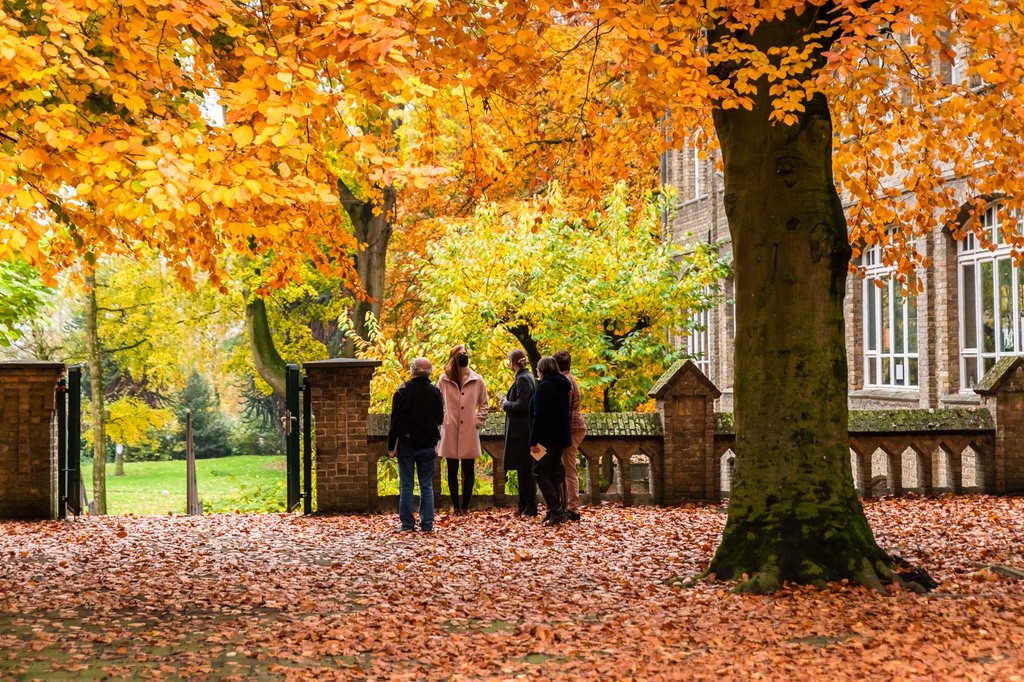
(766, 560)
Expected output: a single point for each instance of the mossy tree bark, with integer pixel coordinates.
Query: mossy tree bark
(269, 363)
(793, 512)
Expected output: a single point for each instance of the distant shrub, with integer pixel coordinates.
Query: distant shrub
(270, 497)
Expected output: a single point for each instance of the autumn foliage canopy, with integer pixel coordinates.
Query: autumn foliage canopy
(197, 126)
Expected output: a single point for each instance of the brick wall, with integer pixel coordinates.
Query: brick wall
(1003, 392)
(689, 469)
(1009, 465)
(945, 317)
(340, 401)
(27, 439)
(913, 450)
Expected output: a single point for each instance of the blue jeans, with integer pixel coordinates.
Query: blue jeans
(424, 462)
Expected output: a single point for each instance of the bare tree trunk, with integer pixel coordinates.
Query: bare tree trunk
(793, 511)
(525, 338)
(93, 361)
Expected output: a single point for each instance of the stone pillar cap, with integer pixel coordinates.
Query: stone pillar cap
(341, 363)
(676, 372)
(998, 375)
(31, 364)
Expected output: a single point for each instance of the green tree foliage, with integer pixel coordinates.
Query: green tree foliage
(142, 429)
(303, 321)
(606, 287)
(211, 433)
(259, 430)
(149, 330)
(22, 297)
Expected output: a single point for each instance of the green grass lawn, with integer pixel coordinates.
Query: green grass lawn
(243, 483)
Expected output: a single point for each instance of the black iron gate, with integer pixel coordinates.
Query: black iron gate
(298, 428)
(70, 491)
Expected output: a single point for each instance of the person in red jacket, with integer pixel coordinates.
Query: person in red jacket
(465, 410)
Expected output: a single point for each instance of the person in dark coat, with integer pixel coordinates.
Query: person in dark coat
(417, 411)
(550, 432)
(516, 406)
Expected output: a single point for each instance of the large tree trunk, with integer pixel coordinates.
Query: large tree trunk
(793, 511)
(93, 360)
(372, 226)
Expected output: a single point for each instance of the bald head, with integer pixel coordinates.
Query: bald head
(420, 367)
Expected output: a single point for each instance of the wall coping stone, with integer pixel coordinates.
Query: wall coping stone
(31, 364)
(678, 369)
(896, 421)
(606, 424)
(340, 363)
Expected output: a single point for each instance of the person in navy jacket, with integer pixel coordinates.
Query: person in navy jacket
(550, 428)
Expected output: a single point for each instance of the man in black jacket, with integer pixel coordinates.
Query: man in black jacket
(417, 411)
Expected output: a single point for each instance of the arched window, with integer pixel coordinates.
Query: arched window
(991, 300)
(890, 327)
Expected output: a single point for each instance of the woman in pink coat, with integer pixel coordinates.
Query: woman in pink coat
(465, 409)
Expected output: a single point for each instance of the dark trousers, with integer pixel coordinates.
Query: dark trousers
(422, 461)
(467, 481)
(550, 478)
(527, 489)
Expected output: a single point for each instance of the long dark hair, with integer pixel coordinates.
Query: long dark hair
(547, 366)
(451, 369)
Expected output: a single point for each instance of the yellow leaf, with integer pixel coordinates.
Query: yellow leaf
(242, 135)
(25, 199)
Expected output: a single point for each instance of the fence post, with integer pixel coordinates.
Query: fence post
(193, 505)
(77, 501)
(1002, 391)
(686, 402)
(62, 448)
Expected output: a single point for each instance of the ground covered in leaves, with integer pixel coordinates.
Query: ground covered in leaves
(490, 596)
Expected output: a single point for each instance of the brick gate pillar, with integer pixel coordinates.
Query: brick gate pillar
(686, 402)
(340, 402)
(1002, 391)
(28, 439)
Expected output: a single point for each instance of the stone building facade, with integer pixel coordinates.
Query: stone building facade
(927, 351)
